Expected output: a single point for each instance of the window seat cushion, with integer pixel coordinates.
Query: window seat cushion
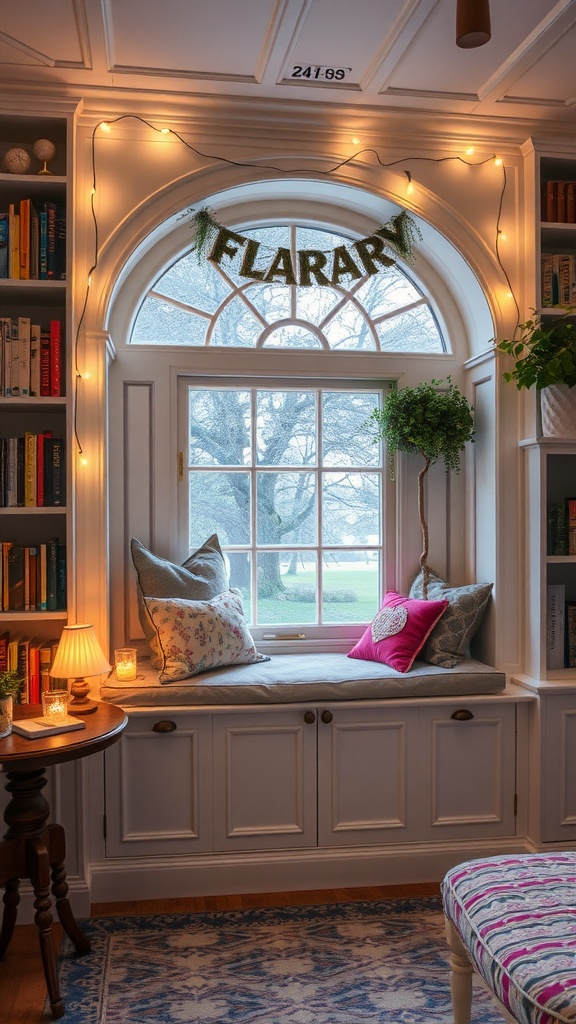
(293, 678)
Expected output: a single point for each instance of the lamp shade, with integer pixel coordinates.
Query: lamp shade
(79, 654)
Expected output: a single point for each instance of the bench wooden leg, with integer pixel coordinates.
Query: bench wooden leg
(460, 976)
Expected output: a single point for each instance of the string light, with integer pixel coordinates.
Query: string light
(106, 126)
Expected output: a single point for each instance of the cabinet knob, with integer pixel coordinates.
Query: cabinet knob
(327, 716)
(463, 715)
(164, 726)
(309, 717)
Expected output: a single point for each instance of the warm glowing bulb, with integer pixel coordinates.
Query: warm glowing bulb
(470, 151)
(355, 140)
(89, 282)
(86, 375)
(105, 126)
(165, 131)
(502, 236)
(410, 189)
(83, 460)
(498, 161)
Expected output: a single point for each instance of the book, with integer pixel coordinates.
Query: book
(24, 355)
(14, 242)
(4, 638)
(571, 520)
(555, 621)
(51, 212)
(35, 360)
(24, 225)
(44, 363)
(15, 567)
(30, 472)
(51, 575)
(60, 256)
(3, 245)
(38, 728)
(43, 245)
(54, 471)
(55, 358)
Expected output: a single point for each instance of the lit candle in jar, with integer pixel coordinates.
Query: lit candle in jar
(125, 662)
(55, 705)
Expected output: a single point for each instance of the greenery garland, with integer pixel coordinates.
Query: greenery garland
(213, 241)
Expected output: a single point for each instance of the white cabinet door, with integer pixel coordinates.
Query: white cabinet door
(559, 769)
(159, 786)
(468, 765)
(368, 791)
(265, 779)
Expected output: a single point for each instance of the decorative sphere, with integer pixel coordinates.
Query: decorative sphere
(44, 150)
(17, 161)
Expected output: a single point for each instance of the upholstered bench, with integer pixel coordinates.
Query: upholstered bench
(513, 920)
(293, 678)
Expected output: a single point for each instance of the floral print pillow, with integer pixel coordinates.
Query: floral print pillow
(194, 636)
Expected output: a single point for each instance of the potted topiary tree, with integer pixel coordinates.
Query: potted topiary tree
(430, 420)
(545, 358)
(10, 684)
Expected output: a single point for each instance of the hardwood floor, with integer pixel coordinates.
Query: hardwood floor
(22, 988)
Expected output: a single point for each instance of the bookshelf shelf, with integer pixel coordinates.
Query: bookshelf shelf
(24, 617)
(38, 510)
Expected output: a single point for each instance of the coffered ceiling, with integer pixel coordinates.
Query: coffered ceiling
(374, 54)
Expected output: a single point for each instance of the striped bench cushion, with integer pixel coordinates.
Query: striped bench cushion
(516, 916)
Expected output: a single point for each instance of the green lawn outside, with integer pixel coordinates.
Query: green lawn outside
(363, 581)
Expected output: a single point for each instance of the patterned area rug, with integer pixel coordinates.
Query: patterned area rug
(350, 963)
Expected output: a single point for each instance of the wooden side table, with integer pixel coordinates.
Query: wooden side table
(34, 849)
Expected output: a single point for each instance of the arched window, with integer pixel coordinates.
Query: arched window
(260, 391)
(197, 302)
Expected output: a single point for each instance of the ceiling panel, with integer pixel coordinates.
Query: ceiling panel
(401, 53)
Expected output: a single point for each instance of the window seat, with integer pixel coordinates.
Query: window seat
(294, 678)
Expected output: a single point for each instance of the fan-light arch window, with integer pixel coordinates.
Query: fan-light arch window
(199, 303)
(283, 469)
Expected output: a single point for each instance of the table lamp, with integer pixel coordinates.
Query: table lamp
(79, 654)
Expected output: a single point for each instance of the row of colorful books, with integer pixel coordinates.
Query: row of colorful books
(33, 576)
(32, 471)
(31, 363)
(558, 279)
(561, 527)
(559, 202)
(33, 241)
(561, 625)
(32, 659)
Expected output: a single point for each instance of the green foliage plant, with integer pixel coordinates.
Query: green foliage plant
(431, 420)
(545, 354)
(10, 683)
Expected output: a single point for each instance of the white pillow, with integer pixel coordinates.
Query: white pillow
(193, 636)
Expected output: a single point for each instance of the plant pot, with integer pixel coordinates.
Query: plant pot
(6, 704)
(558, 410)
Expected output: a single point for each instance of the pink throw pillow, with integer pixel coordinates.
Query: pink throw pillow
(399, 631)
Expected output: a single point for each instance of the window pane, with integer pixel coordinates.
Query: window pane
(286, 508)
(271, 300)
(349, 329)
(413, 331)
(161, 323)
(219, 503)
(219, 427)
(383, 293)
(287, 585)
(194, 282)
(286, 428)
(350, 586)
(345, 440)
(351, 508)
(240, 572)
(236, 326)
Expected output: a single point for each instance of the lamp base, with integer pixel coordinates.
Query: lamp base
(81, 703)
(86, 707)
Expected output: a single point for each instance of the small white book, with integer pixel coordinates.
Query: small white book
(37, 728)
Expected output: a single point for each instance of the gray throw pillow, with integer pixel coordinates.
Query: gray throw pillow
(201, 577)
(449, 641)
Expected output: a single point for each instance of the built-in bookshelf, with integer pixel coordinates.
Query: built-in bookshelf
(35, 405)
(557, 232)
